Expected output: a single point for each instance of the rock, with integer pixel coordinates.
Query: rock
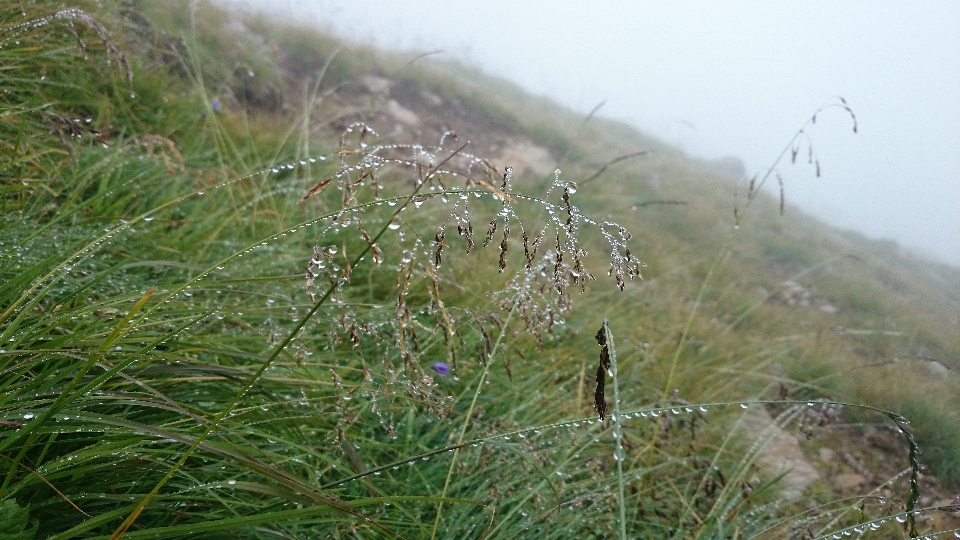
(937, 368)
(792, 293)
(377, 85)
(431, 98)
(526, 158)
(848, 481)
(780, 454)
(402, 114)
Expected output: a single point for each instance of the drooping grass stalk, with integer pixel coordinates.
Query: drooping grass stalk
(469, 415)
(722, 252)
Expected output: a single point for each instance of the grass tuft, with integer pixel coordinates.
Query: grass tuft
(246, 301)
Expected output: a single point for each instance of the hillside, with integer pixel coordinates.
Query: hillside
(271, 283)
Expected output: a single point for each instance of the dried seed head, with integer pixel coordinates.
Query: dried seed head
(599, 402)
(491, 229)
(503, 249)
(441, 233)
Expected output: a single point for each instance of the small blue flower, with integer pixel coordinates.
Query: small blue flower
(216, 105)
(441, 368)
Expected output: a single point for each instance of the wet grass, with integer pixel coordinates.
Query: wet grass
(247, 315)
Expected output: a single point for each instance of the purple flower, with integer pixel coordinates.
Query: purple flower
(441, 368)
(216, 105)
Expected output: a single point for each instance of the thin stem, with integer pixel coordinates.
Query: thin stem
(617, 430)
(706, 281)
(466, 420)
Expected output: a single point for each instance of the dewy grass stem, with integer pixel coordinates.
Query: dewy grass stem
(617, 430)
(466, 420)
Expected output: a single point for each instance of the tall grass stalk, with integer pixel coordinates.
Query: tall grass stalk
(469, 415)
(754, 187)
(619, 454)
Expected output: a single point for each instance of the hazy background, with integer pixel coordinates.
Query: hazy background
(729, 79)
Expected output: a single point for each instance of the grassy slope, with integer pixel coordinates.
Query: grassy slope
(137, 232)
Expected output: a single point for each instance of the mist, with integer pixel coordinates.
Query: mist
(731, 79)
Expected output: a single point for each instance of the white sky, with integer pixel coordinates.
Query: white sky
(729, 78)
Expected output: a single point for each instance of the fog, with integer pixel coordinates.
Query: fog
(729, 79)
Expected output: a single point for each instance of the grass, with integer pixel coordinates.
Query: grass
(230, 309)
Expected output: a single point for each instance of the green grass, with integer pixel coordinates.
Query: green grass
(190, 349)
